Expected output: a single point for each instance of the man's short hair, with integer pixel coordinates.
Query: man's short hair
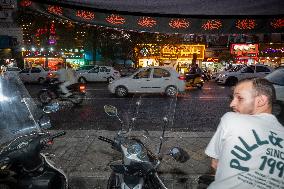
(262, 87)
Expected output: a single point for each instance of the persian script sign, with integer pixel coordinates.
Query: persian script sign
(183, 51)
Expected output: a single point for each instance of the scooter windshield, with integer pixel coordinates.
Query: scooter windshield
(18, 112)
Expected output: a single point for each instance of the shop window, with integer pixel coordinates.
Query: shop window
(35, 70)
(262, 69)
(159, 73)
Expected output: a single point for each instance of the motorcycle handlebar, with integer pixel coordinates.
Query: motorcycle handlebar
(51, 137)
(104, 139)
(57, 135)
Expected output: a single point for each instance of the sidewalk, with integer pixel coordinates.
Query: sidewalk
(85, 159)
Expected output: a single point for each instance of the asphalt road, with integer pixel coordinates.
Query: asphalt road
(195, 110)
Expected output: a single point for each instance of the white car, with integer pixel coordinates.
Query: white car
(149, 80)
(235, 68)
(277, 78)
(98, 73)
(34, 75)
(256, 70)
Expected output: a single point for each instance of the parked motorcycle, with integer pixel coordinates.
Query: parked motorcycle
(53, 91)
(22, 138)
(194, 80)
(138, 168)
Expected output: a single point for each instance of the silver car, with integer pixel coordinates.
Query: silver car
(277, 78)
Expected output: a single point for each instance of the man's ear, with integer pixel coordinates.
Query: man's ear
(261, 100)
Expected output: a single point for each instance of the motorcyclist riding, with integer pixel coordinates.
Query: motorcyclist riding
(66, 77)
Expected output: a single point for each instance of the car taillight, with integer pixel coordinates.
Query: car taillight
(181, 77)
(82, 88)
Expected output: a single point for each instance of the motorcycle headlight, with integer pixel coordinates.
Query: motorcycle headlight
(135, 150)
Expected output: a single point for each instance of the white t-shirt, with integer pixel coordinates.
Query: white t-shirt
(250, 150)
(71, 75)
(62, 74)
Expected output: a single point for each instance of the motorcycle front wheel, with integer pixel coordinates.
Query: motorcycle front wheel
(45, 97)
(77, 98)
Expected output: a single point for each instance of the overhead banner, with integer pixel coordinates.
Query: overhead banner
(162, 23)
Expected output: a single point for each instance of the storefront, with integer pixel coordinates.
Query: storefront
(245, 53)
(43, 61)
(179, 56)
(51, 58)
(271, 54)
(75, 62)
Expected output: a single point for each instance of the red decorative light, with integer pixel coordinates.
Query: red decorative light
(52, 29)
(55, 10)
(246, 24)
(115, 19)
(179, 23)
(25, 3)
(87, 15)
(212, 25)
(40, 31)
(277, 23)
(147, 22)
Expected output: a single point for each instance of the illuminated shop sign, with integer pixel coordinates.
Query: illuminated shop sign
(183, 51)
(249, 50)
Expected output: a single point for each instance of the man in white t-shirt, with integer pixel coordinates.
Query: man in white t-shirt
(248, 146)
(61, 74)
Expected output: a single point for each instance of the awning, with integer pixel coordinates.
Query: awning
(177, 16)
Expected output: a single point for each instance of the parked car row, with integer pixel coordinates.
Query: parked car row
(154, 79)
(232, 76)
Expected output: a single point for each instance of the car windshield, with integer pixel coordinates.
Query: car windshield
(18, 111)
(276, 77)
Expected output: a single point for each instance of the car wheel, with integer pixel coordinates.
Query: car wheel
(110, 79)
(121, 91)
(171, 91)
(82, 80)
(231, 81)
(40, 80)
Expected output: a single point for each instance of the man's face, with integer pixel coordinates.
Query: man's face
(243, 99)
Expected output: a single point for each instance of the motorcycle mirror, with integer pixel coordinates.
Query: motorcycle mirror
(53, 107)
(179, 154)
(110, 110)
(44, 122)
(146, 133)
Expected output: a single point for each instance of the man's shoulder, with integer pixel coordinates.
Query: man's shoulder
(231, 120)
(231, 115)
